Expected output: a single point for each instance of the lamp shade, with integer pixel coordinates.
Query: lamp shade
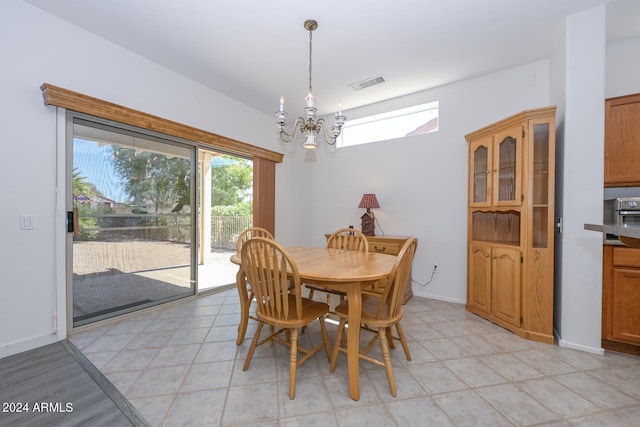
(369, 201)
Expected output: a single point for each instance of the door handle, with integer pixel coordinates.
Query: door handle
(70, 222)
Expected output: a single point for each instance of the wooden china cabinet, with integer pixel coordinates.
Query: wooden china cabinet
(511, 223)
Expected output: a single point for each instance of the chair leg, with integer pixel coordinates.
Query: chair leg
(325, 338)
(310, 296)
(387, 360)
(293, 362)
(254, 344)
(390, 338)
(336, 346)
(403, 341)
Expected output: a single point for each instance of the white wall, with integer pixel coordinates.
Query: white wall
(580, 285)
(420, 181)
(35, 48)
(623, 68)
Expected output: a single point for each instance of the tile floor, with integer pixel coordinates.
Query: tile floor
(180, 366)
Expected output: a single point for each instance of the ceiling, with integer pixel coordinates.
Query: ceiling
(256, 51)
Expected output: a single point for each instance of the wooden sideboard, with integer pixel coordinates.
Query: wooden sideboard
(389, 245)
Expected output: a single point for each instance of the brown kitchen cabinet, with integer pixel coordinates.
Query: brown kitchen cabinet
(510, 223)
(621, 299)
(622, 139)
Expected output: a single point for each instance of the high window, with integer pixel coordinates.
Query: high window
(416, 120)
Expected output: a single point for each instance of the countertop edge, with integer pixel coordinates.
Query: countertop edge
(624, 231)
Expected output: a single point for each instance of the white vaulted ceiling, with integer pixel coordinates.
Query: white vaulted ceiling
(256, 50)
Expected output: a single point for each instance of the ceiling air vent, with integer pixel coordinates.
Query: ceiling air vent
(368, 83)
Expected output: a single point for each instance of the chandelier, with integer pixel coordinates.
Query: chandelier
(307, 125)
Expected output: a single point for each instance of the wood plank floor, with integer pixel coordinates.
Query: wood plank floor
(61, 387)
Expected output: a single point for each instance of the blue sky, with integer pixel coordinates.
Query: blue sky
(94, 163)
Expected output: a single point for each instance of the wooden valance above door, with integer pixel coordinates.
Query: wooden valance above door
(74, 101)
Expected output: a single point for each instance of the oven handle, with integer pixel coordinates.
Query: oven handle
(628, 212)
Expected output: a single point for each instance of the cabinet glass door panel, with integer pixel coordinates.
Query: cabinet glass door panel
(541, 164)
(506, 172)
(540, 225)
(480, 170)
(507, 169)
(480, 174)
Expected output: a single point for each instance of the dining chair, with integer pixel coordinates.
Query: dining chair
(275, 281)
(247, 234)
(343, 238)
(243, 237)
(252, 232)
(380, 314)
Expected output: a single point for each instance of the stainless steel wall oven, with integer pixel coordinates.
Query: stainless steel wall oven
(623, 211)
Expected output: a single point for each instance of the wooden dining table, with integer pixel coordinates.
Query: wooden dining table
(348, 271)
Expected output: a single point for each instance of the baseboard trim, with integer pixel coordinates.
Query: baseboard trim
(26, 344)
(593, 350)
(439, 297)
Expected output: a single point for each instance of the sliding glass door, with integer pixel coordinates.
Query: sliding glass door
(131, 221)
(226, 209)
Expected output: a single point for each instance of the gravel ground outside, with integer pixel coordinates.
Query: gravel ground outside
(112, 274)
(127, 256)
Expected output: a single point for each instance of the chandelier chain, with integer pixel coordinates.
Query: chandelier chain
(310, 50)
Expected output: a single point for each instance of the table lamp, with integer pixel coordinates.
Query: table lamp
(368, 201)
